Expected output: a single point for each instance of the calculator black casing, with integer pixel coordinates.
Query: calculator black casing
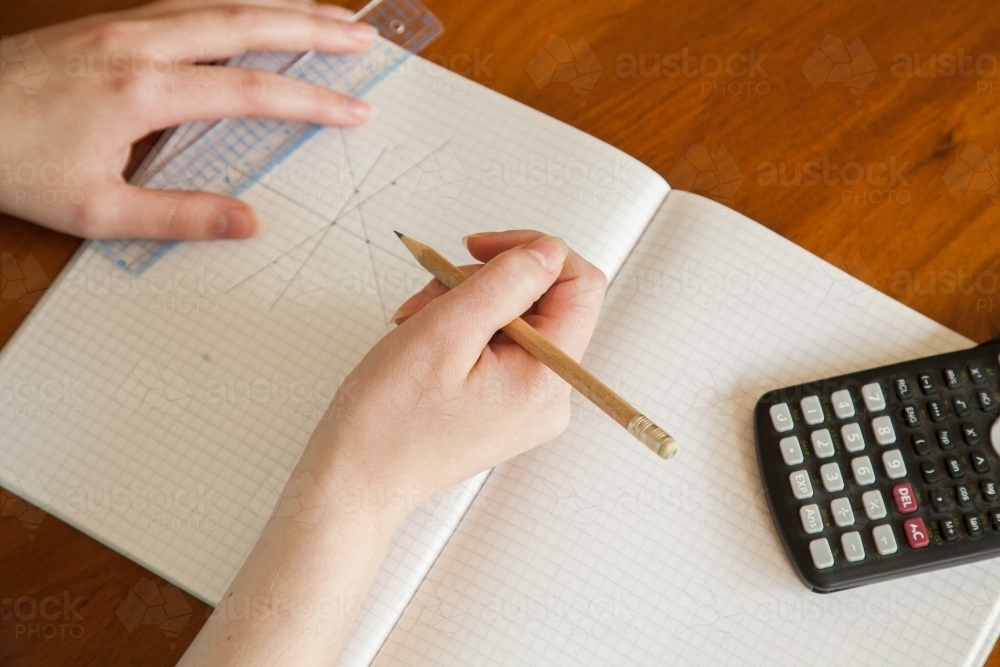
(906, 561)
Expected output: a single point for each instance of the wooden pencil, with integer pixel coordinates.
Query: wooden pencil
(558, 361)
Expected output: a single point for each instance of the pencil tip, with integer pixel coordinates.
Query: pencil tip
(397, 234)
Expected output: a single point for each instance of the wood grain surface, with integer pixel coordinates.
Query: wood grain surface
(880, 164)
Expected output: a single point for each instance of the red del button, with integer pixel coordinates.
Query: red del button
(916, 533)
(906, 501)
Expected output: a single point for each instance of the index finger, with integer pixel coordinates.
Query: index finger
(567, 313)
(215, 32)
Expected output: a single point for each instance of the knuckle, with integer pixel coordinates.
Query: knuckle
(92, 217)
(112, 35)
(129, 86)
(558, 420)
(251, 82)
(239, 15)
(518, 272)
(592, 278)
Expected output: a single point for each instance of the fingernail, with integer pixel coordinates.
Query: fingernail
(358, 110)
(465, 239)
(236, 223)
(550, 251)
(362, 32)
(401, 312)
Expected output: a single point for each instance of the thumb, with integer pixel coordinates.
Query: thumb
(131, 212)
(497, 294)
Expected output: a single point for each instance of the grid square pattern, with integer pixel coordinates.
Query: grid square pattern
(233, 154)
(589, 551)
(162, 413)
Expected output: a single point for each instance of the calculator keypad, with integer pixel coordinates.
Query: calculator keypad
(885, 540)
(852, 437)
(801, 485)
(791, 452)
(812, 520)
(874, 398)
(885, 433)
(843, 404)
(895, 468)
(854, 548)
(822, 444)
(812, 410)
(864, 473)
(874, 505)
(891, 467)
(822, 556)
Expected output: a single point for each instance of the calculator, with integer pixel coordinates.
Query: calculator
(885, 472)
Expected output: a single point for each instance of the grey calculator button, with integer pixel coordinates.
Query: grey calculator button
(874, 398)
(995, 436)
(802, 487)
(843, 404)
(885, 434)
(864, 473)
(821, 553)
(781, 418)
(791, 451)
(822, 443)
(854, 550)
(832, 479)
(842, 513)
(885, 541)
(812, 411)
(874, 505)
(854, 439)
(812, 520)
(893, 462)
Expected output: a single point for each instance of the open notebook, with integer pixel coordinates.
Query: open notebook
(163, 413)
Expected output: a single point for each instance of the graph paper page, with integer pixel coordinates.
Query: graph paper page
(186, 394)
(590, 551)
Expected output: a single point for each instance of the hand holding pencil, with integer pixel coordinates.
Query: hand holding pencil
(534, 342)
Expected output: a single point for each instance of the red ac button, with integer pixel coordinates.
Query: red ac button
(916, 533)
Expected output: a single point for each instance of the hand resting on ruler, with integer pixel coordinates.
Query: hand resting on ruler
(116, 77)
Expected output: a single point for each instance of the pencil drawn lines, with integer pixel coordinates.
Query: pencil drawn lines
(287, 268)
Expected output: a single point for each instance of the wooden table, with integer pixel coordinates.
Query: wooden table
(896, 205)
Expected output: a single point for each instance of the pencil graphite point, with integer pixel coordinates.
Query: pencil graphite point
(397, 233)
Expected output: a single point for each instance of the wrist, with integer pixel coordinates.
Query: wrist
(334, 483)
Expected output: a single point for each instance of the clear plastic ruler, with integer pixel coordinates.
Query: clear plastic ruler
(233, 154)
